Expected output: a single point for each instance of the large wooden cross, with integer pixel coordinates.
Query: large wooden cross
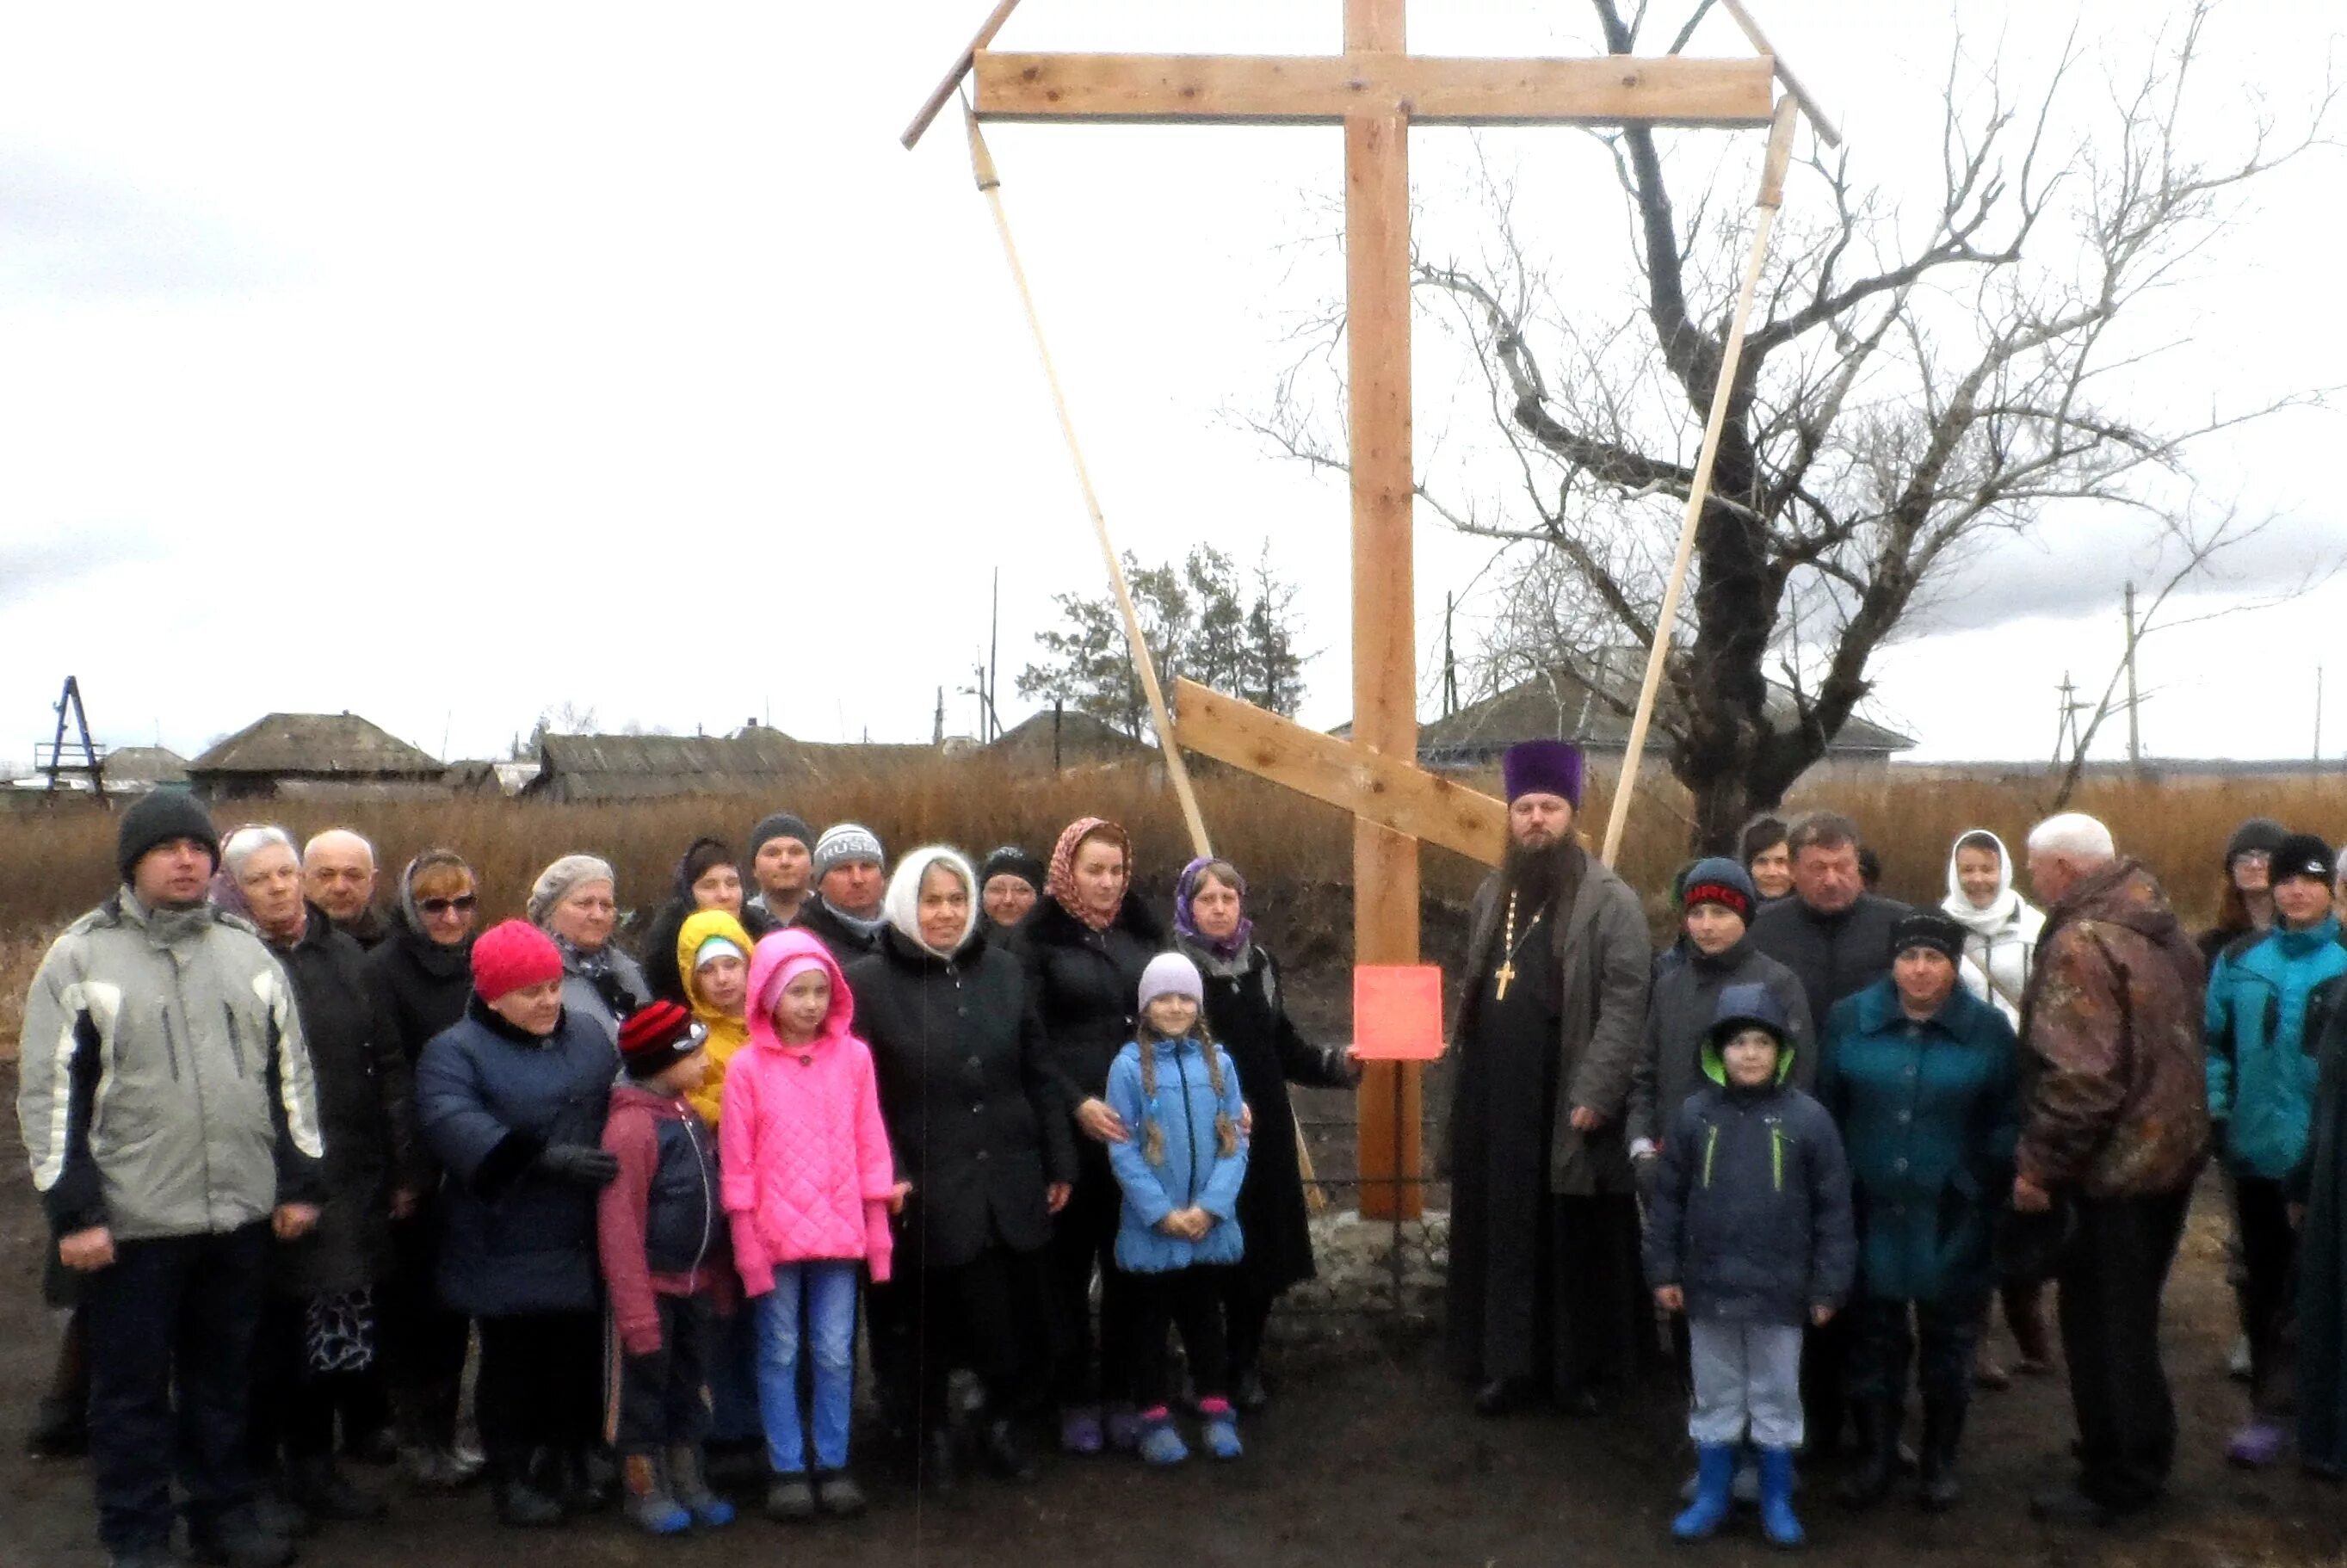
(1376, 90)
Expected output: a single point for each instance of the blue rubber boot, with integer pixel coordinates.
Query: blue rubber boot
(1715, 1470)
(1160, 1443)
(1777, 1520)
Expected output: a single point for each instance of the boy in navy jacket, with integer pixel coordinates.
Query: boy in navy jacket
(1750, 1235)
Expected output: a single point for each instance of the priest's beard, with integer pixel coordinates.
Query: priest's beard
(1534, 875)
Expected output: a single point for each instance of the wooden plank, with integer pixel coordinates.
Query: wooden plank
(1324, 89)
(1392, 794)
(946, 89)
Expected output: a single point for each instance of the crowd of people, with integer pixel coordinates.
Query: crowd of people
(306, 1155)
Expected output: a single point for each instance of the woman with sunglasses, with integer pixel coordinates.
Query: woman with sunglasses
(420, 977)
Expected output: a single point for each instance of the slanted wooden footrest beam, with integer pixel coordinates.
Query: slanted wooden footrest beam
(1391, 791)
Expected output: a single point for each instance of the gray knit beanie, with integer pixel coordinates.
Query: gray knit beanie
(847, 841)
(554, 883)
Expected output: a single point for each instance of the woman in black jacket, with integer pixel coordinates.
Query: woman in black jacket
(1247, 1012)
(980, 1131)
(418, 979)
(1084, 946)
(707, 876)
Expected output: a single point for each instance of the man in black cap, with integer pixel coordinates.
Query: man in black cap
(782, 863)
(165, 1206)
(1545, 1291)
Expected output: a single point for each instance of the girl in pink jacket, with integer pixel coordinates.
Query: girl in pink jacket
(809, 1185)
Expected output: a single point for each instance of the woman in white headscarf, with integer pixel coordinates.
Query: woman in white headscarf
(2001, 930)
(2001, 927)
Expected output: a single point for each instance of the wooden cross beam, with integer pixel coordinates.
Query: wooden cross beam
(1376, 89)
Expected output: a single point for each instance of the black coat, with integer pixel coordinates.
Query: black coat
(974, 1114)
(418, 987)
(1835, 956)
(1086, 985)
(366, 1111)
(1248, 1013)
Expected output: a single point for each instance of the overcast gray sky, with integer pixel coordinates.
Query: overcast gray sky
(448, 364)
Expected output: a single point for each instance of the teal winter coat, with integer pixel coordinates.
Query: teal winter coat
(2267, 999)
(1929, 1113)
(1191, 1171)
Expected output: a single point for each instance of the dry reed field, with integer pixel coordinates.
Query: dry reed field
(54, 865)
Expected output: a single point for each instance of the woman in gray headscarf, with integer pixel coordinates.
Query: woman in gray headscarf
(575, 901)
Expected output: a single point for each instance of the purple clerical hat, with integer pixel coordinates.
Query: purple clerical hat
(1544, 768)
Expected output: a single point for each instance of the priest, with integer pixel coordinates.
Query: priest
(1545, 1298)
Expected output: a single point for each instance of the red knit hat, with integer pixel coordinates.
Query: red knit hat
(513, 954)
(657, 1036)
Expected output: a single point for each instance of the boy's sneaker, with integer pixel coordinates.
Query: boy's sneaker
(1222, 1435)
(1125, 1427)
(1161, 1444)
(238, 1539)
(1080, 1430)
(2257, 1445)
(836, 1493)
(789, 1499)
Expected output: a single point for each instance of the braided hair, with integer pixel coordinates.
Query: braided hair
(1227, 1132)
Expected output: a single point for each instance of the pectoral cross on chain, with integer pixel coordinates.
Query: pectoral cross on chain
(1504, 974)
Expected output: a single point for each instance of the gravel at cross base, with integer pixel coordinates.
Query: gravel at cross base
(1369, 1456)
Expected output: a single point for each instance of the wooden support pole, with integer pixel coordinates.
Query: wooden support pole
(1324, 89)
(1385, 610)
(1772, 196)
(946, 89)
(981, 163)
(1818, 120)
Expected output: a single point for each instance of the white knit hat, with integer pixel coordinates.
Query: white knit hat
(1171, 974)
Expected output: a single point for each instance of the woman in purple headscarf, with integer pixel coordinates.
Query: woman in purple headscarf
(1248, 1013)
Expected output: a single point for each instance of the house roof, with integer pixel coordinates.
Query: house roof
(321, 745)
(1082, 739)
(645, 767)
(145, 764)
(1573, 703)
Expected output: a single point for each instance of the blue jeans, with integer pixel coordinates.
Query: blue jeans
(817, 1301)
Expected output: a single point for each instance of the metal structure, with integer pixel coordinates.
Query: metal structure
(79, 758)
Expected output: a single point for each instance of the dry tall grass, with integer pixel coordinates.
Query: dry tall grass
(55, 865)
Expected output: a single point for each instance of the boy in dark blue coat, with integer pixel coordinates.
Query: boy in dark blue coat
(1749, 1235)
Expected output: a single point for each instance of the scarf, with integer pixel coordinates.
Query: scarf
(599, 971)
(1060, 881)
(1229, 953)
(2000, 909)
(855, 923)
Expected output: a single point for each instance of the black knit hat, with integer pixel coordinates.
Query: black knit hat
(2259, 833)
(1928, 928)
(703, 856)
(781, 825)
(157, 819)
(1011, 861)
(2304, 854)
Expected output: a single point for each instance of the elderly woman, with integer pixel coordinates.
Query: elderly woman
(576, 902)
(318, 1346)
(512, 1101)
(1084, 947)
(418, 978)
(1246, 1011)
(1009, 883)
(980, 1131)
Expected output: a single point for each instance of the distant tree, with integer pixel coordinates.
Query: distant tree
(1203, 618)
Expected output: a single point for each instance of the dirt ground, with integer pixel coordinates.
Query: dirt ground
(1370, 1457)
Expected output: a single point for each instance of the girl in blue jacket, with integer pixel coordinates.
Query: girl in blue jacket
(2267, 996)
(1180, 1165)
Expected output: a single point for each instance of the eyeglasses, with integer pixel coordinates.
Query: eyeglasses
(462, 904)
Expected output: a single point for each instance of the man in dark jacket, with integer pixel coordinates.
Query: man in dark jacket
(1832, 933)
(1750, 1235)
(850, 880)
(1543, 1290)
(165, 1204)
(338, 876)
(2115, 1130)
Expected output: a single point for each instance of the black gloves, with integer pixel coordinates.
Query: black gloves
(577, 1164)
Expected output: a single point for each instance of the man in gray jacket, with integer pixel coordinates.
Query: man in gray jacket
(166, 1101)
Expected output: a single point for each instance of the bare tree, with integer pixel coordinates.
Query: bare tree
(1910, 390)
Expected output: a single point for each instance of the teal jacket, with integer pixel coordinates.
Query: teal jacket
(1191, 1170)
(2267, 1001)
(1929, 1113)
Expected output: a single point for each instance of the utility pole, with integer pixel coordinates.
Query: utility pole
(1450, 662)
(2135, 732)
(938, 735)
(993, 731)
(2318, 712)
(2065, 718)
